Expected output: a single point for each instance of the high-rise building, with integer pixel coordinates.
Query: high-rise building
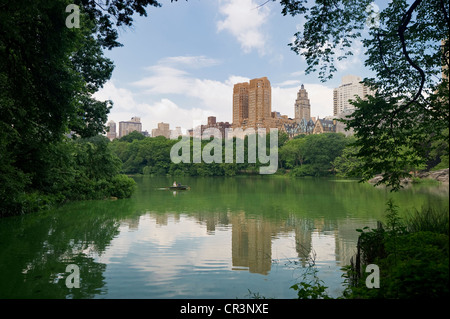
(162, 130)
(302, 105)
(240, 104)
(252, 103)
(126, 127)
(259, 102)
(112, 134)
(351, 86)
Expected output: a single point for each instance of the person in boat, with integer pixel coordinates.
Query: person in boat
(174, 184)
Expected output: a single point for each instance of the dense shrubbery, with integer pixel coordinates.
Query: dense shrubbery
(71, 170)
(412, 255)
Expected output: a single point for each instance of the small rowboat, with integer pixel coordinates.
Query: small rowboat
(179, 188)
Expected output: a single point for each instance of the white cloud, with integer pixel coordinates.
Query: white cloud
(163, 110)
(352, 60)
(214, 96)
(177, 97)
(234, 79)
(320, 98)
(244, 19)
(189, 61)
(289, 83)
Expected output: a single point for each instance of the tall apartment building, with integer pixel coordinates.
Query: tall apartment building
(350, 87)
(112, 133)
(302, 105)
(259, 101)
(240, 104)
(126, 127)
(252, 103)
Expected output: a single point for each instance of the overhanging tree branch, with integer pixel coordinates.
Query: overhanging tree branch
(401, 32)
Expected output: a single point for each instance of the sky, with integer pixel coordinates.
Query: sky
(179, 64)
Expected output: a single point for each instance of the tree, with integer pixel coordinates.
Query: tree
(407, 47)
(48, 75)
(348, 164)
(135, 135)
(291, 153)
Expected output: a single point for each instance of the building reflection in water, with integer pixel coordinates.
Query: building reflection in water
(251, 244)
(252, 237)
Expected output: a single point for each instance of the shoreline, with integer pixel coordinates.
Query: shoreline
(441, 175)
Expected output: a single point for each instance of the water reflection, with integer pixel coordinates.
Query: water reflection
(217, 240)
(250, 240)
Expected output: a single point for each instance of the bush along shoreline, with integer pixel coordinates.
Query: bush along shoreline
(411, 258)
(412, 255)
(76, 169)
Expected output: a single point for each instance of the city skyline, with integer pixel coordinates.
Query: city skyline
(185, 72)
(252, 108)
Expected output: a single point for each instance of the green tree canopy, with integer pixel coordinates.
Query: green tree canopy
(48, 75)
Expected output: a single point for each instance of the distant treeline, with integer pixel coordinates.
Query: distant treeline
(305, 155)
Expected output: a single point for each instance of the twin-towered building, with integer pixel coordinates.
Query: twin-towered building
(252, 103)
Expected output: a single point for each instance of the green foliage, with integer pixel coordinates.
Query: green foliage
(439, 152)
(407, 48)
(291, 153)
(135, 135)
(308, 156)
(121, 186)
(444, 163)
(413, 257)
(310, 285)
(48, 76)
(421, 267)
(381, 152)
(348, 164)
(315, 290)
(428, 219)
(72, 170)
(312, 155)
(90, 171)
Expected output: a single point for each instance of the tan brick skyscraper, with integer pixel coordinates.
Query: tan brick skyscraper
(259, 101)
(252, 104)
(240, 104)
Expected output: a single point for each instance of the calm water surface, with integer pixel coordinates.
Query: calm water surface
(224, 238)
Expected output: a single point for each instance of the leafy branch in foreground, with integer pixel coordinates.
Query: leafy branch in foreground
(310, 286)
(408, 50)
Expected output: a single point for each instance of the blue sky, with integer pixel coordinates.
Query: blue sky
(179, 64)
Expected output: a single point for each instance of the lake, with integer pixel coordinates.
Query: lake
(235, 237)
